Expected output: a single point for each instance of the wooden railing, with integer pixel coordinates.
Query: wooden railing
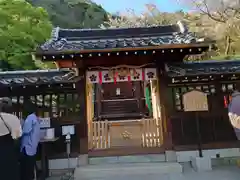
(99, 135)
(149, 134)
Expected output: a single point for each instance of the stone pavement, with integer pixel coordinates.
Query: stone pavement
(219, 173)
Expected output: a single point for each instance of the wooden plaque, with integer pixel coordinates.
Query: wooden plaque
(195, 100)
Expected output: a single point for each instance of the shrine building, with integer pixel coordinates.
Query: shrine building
(123, 90)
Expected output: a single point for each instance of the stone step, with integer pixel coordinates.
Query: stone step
(128, 159)
(112, 170)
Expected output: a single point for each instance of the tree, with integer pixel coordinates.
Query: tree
(220, 19)
(22, 28)
(152, 16)
(73, 13)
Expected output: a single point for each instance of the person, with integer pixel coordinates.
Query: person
(29, 143)
(10, 130)
(234, 111)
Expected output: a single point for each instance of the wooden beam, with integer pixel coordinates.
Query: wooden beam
(166, 124)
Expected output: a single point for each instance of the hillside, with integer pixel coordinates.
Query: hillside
(73, 13)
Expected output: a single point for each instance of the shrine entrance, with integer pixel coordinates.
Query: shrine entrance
(122, 69)
(120, 109)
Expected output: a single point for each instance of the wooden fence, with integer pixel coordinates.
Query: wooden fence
(98, 135)
(149, 133)
(151, 136)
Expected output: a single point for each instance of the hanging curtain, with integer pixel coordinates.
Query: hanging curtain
(148, 99)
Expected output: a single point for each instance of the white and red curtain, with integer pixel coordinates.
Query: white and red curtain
(114, 76)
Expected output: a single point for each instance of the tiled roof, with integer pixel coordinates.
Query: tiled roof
(35, 77)
(76, 40)
(203, 68)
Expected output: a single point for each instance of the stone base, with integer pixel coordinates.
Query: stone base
(171, 156)
(201, 163)
(111, 171)
(83, 160)
(127, 159)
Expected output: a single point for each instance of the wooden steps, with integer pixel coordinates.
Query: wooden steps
(112, 108)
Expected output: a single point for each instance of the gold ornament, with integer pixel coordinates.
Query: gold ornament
(111, 73)
(126, 135)
(123, 72)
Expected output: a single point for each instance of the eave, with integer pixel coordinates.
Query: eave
(187, 49)
(203, 72)
(72, 44)
(12, 79)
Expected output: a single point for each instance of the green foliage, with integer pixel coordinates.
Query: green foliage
(73, 13)
(22, 28)
(219, 21)
(26, 24)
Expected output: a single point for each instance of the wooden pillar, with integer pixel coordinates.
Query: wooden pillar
(156, 107)
(90, 112)
(83, 128)
(163, 101)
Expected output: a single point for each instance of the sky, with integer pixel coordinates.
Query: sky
(113, 6)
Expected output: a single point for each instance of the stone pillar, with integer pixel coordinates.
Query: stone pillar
(171, 156)
(200, 164)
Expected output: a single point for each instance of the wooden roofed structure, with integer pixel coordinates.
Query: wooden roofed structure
(85, 44)
(203, 71)
(126, 72)
(13, 81)
(54, 92)
(217, 79)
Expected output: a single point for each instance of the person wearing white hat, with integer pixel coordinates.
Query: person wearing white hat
(10, 130)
